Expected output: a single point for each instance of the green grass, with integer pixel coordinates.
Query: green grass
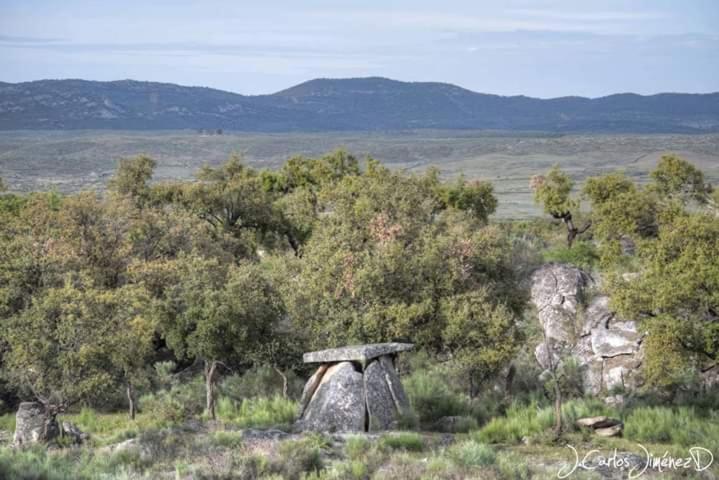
(527, 420)
(471, 453)
(433, 398)
(683, 426)
(582, 255)
(227, 439)
(258, 412)
(408, 441)
(7, 422)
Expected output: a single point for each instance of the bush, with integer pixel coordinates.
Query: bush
(433, 398)
(680, 426)
(227, 439)
(409, 441)
(298, 457)
(356, 447)
(258, 412)
(260, 381)
(528, 420)
(32, 464)
(582, 255)
(7, 422)
(471, 453)
(179, 403)
(512, 466)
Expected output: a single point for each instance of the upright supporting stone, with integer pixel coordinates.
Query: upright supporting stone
(338, 402)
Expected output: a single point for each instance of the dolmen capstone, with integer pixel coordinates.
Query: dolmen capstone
(355, 389)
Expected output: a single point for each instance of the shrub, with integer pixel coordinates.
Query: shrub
(680, 426)
(409, 441)
(227, 439)
(258, 412)
(7, 422)
(581, 254)
(260, 381)
(528, 420)
(34, 463)
(432, 398)
(356, 447)
(180, 402)
(298, 457)
(471, 453)
(512, 466)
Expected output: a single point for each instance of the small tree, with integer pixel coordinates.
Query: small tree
(553, 193)
(57, 348)
(132, 178)
(219, 315)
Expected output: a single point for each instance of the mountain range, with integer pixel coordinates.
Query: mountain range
(355, 104)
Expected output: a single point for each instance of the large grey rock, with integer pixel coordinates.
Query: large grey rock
(401, 401)
(73, 434)
(386, 400)
(381, 410)
(612, 342)
(33, 424)
(607, 348)
(556, 292)
(356, 353)
(338, 404)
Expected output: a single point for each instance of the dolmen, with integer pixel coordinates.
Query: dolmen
(355, 389)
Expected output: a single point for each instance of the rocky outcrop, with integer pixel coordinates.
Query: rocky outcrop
(355, 389)
(606, 347)
(34, 424)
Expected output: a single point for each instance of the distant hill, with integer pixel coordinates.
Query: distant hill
(361, 104)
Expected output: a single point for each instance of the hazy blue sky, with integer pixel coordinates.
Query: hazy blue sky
(537, 48)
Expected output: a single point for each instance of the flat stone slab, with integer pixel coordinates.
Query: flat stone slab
(356, 353)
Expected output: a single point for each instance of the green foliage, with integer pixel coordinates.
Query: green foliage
(580, 254)
(674, 177)
(132, 178)
(512, 466)
(387, 261)
(679, 426)
(471, 453)
(552, 192)
(7, 422)
(298, 457)
(356, 447)
(408, 441)
(179, 403)
(258, 412)
(522, 421)
(228, 439)
(476, 197)
(261, 381)
(432, 397)
(677, 291)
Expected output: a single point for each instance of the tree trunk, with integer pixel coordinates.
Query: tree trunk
(571, 229)
(284, 381)
(557, 408)
(210, 372)
(131, 400)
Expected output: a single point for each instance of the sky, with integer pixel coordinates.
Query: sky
(539, 48)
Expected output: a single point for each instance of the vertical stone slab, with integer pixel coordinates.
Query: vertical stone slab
(395, 386)
(381, 407)
(338, 404)
(310, 387)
